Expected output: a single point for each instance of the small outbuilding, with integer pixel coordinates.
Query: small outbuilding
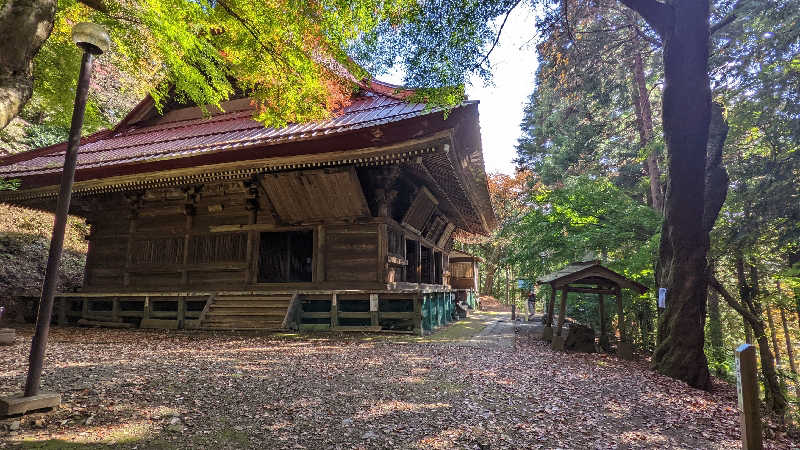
(588, 277)
(464, 277)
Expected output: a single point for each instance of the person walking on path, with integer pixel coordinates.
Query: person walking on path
(531, 305)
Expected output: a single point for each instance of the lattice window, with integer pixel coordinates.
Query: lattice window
(397, 243)
(461, 270)
(420, 210)
(213, 248)
(158, 251)
(435, 228)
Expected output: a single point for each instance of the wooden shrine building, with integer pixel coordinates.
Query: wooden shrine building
(216, 222)
(588, 277)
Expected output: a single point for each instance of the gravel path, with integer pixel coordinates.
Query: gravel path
(166, 389)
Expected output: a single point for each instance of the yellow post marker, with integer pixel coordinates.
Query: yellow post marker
(747, 390)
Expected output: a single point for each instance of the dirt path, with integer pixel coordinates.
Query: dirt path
(497, 334)
(165, 389)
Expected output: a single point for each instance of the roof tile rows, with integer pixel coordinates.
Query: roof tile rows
(197, 135)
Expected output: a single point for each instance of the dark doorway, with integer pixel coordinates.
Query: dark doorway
(286, 257)
(427, 265)
(438, 266)
(413, 259)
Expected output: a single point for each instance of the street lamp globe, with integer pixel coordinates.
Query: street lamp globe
(91, 38)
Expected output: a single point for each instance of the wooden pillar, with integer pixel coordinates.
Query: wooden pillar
(418, 260)
(383, 253)
(603, 336)
(373, 310)
(251, 205)
(147, 308)
(747, 390)
(558, 339)
(319, 255)
(135, 203)
(85, 308)
(624, 347)
(547, 333)
(115, 309)
(419, 330)
(189, 209)
(181, 311)
(334, 311)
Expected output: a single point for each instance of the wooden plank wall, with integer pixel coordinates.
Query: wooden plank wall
(206, 237)
(351, 253)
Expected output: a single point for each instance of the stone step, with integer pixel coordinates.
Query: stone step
(241, 324)
(210, 328)
(254, 304)
(246, 311)
(258, 298)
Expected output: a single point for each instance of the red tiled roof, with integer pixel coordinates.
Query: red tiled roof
(168, 138)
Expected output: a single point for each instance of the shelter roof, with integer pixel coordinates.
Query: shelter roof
(589, 272)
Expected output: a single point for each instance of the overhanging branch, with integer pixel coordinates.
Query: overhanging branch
(717, 286)
(658, 15)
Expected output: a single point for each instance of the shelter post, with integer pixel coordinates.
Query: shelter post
(558, 339)
(547, 333)
(603, 335)
(624, 347)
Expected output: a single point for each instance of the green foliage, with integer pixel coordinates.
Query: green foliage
(290, 56)
(8, 185)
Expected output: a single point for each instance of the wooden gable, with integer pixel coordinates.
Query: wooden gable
(312, 195)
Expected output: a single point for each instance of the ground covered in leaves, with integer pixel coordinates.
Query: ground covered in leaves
(159, 389)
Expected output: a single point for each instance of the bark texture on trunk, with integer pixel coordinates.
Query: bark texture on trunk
(24, 26)
(748, 332)
(682, 268)
(790, 351)
(774, 337)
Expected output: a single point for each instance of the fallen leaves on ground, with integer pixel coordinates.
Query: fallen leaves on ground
(160, 389)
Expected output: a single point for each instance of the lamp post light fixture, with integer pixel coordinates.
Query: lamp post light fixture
(93, 40)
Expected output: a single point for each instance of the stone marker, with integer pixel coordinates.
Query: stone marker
(747, 390)
(580, 338)
(547, 333)
(558, 343)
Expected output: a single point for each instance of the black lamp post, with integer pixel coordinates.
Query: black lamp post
(93, 40)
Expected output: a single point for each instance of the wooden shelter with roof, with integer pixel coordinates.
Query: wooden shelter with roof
(464, 277)
(588, 277)
(214, 221)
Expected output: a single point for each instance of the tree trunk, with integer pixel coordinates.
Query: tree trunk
(748, 332)
(750, 310)
(508, 278)
(488, 284)
(24, 26)
(715, 327)
(773, 394)
(682, 268)
(774, 336)
(790, 353)
(644, 121)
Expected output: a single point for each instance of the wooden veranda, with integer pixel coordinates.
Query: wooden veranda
(588, 277)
